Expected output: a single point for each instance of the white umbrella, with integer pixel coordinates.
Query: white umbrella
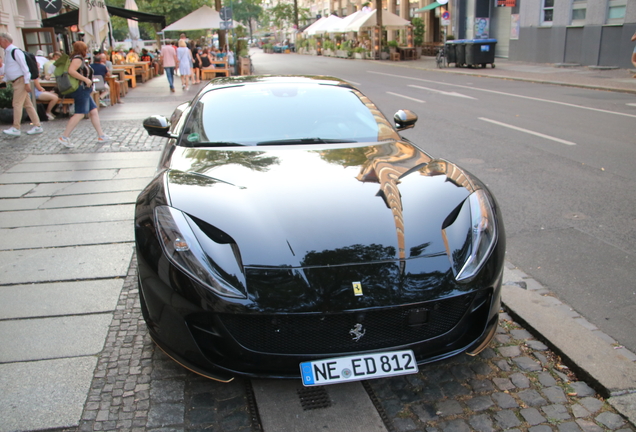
(323, 26)
(389, 20)
(341, 26)
(133, 26)
(203, 18)
(93, 21)
(315, 25)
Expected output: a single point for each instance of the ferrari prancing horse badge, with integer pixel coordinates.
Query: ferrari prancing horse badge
(357, 288)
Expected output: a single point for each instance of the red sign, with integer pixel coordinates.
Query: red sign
(506, 3)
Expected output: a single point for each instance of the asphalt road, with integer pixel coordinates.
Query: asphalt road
(560, 161)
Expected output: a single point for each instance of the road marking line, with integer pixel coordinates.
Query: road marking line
(443, 92)
(559, 140)
(506, 94)
(406, 97)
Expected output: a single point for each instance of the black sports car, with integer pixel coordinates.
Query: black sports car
(291, 231)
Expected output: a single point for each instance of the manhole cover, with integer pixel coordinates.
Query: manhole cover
(313, 398)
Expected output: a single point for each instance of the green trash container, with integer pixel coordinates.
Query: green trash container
(480, 52)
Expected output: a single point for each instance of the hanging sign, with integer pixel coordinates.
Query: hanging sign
(506, 3)
(50, 6)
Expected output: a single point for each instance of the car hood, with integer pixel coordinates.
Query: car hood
(301, 206)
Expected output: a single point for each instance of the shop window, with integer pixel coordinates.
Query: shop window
(547, 12)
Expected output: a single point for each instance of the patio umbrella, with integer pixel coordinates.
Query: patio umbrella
(390, 21)
(93, 21)
(133, 26)
(323, 26)
(203, 18)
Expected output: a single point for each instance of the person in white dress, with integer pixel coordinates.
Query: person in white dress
(184, 55)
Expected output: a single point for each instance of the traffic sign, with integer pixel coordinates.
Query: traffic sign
(446, 15)
(226, 13)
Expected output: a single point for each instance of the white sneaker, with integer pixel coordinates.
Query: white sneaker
(65, 141)
(104, 139)
(12, 131)
(35, 130)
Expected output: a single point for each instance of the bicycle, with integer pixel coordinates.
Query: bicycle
(440, 57)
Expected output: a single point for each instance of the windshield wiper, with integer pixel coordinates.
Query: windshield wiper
(305, 141)
(214, 144)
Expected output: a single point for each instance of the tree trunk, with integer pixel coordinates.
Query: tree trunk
(222, 41)
(378, 17)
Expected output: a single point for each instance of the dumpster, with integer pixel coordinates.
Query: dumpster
(480, 52)
(460, 52)
(451, 52)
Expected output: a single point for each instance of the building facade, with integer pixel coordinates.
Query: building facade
(584, 32)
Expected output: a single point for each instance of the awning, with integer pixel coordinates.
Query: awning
(428, 7)
(72, 18)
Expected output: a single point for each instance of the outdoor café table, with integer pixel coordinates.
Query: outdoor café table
(146, 68)
(130, 73)
(114, 89)
(406, 53)
(48, 84)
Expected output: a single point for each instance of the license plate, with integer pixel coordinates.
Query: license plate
(358, 367)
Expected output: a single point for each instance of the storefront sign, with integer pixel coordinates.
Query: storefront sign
(506, 3)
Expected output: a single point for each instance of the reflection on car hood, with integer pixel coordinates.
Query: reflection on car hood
(320, 205)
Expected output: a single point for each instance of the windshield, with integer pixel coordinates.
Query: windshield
(284, 113)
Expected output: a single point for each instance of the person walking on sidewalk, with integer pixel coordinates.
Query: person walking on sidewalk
(16, 71)
(84, 103)
(169, 61)
(185, 63)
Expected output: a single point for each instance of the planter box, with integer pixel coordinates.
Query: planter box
(342, 54)
(358, 55)
(327, 52)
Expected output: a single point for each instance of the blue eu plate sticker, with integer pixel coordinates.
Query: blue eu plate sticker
(306, 373)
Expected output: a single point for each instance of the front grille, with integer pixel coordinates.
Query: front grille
(334, 333)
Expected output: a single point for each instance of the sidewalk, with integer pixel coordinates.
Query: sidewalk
(75, 354)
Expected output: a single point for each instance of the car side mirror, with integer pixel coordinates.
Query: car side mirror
(404, 119)
(158, 126)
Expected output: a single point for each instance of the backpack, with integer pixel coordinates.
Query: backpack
(66, 84)
(31, 62)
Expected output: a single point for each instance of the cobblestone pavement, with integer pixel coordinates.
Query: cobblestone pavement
(127, 136)
(516, 384)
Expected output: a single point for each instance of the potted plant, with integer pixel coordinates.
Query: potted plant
(358, 52)
(418, 35)
(392, 46)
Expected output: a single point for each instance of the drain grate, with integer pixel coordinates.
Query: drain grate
(313, 398)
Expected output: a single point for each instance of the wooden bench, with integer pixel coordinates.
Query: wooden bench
(67, 102)
(220, 67)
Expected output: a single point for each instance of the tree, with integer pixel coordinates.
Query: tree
(246, 12)
(284, 14)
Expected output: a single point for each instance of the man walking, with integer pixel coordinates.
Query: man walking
(169, 61)
(17, 72)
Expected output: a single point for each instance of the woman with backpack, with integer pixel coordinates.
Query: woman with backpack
(84, 103)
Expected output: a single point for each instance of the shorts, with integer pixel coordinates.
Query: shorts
(84, 103)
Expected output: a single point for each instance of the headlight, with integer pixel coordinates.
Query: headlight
(182, 248)
(471, 236)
